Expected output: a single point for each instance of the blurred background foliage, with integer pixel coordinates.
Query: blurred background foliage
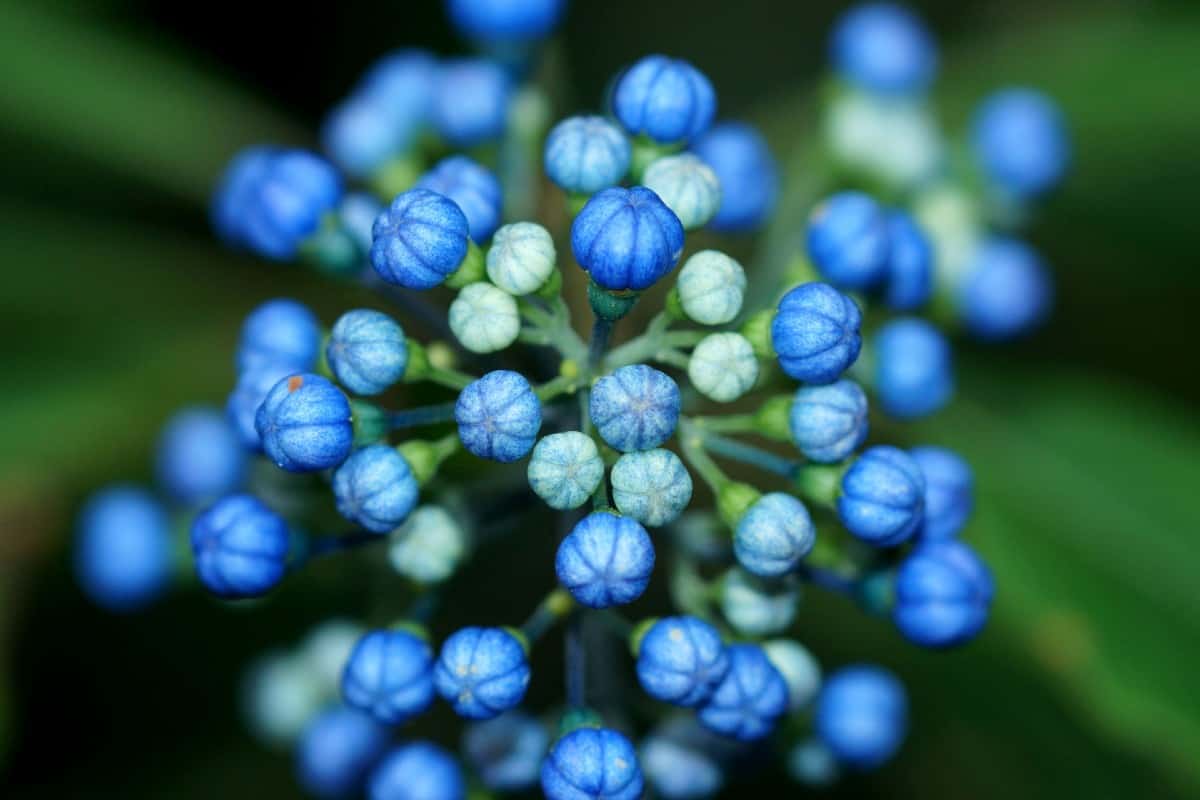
(119, 307)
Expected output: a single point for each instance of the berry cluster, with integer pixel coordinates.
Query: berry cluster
(629, 428)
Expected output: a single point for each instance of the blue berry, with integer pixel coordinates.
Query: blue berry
(304, 424)
(635, 408)
(586, 154)
(605, 561)
(773, 535)
(417, 771)
(375, 488)
(402, 82)
(626, 239)
(847, 240)
(815, 333)
(235, 191)
(482, 672)
(200, 456)
(123, 549)
(943, 594)
(280, 332)
(666, 99)
(505, 20)
(882, 500)
(240, 547)
(651, 486)
(357, 216)
(909, 274)
(248, 394)
(884, 49)
(336, 751)
(678, 771)
(594, 763)
(862, 715)
(473, 188)
(470, 105)
(390, 675)
(750, 700)
(1006, 292)
(829, 422)
(506, 752)
(367, 351)
(949, 492)
(287, 203)
(361, 135)
(747, 172)
(498, 416)
(1021, 142)
(419, 240)
(681, 660)
(913, 371)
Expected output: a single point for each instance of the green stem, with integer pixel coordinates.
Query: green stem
(732, 423)
(673, 358)
(450, 378)
(556, 606)
(749, 454)
(691, 444)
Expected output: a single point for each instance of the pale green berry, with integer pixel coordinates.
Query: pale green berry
(799, 669)
(521, 258)
(565, 469)
(280, 694)
(723, 366)
(652, 486)
(755, 608)
(687, 185)
(484, 318)
(429, 546)
(711, 287)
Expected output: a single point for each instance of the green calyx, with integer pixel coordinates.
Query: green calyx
(733, 499)
(645, 152)
(369, 421)
(472, 269)
(609, 305)
(757, 330)
(773, 418)
(639, 633)
(820, 483)
(409, 626)
(417, 367)
(552, 288)
(396, 177)
(575, 718)
(425, 458)
(673, 305)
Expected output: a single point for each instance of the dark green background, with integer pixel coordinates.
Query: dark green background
(118, 308)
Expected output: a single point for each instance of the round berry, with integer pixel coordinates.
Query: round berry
(304, 424)
(913, 371)
(235, 192)
(521, 258)
(908, 281)
(473, 188)
(484, 319)
(711, 287)
(773, 535)
(882, 500)
(498, 416)
(248, 394)
(505, 20)
(635, 408)
(470, 103)
(429, 546)
(361, 134)
(746, 172)
(279, 332)
(123, 549)
(949, 492)
(723, 367)
(829, 422)
(402, 82)
(943, 594)
(280, 694)
(375, 488)
(367, 351)
(665, 99)
(883, 48)
(506, 752)
(687, 186)
(751, 698)
(626, 239)
(653, 486)
(679, 771)
(336, 751)
(755, 608)
(605, 561)
(815, 333)
(565, 469)
(1020, 140)
(419, 240)
(357, 216)
(811, 763)
(200, 456)
(848, 241)
(287, 202)
(1006, 292)
(240, 547)
(326, 648)
(799, 669)
(390, 675)
(681, 660)
(595, 763)
(586, 154)
(482, 672)
(862, 715)
(417, 771)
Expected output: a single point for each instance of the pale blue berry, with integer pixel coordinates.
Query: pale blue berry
(565, 469)
(688, 186)
(653, 487)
